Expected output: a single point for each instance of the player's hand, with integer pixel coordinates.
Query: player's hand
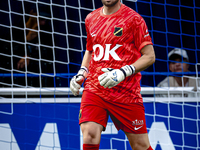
(112, 77)
(75, 86)
(21, 63)
(77, 80)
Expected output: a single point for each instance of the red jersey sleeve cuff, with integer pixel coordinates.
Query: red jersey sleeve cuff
(144, 44)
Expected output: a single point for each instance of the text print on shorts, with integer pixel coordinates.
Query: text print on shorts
(139, 123)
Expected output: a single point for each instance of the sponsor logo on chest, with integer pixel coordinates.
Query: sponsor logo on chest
(106, 53)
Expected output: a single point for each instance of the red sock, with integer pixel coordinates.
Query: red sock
(90, 146)
(150, 148)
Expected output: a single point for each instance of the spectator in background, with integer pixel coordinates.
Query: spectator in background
(32, 36)
(30, 54)
(178, 63)
(40, 50)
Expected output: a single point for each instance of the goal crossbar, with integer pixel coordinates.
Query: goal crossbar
(66, 90)
(67, 97)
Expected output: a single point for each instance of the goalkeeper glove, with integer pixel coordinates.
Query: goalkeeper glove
(112, 77)
(77, 80)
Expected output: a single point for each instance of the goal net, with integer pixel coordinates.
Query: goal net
(42, 45)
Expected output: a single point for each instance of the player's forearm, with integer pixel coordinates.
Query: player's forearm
(146, 60)
(86, 59)
(143, 63)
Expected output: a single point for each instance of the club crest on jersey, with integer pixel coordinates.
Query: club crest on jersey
(118, 31)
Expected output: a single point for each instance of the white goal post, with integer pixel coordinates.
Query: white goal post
(149, 93)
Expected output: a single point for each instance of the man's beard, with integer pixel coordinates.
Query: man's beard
(110, 4)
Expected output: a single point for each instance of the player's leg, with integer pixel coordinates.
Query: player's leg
(130, 118)
(91, 132)
(92, 119)
(139, 141)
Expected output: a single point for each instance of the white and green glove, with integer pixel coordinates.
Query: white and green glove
(77, 80)
(112, 77)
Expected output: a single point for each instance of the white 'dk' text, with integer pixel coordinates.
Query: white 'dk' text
(107, 52)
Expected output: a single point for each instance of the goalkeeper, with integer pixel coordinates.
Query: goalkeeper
(117, 36)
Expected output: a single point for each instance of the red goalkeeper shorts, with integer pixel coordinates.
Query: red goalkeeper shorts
(127, 117)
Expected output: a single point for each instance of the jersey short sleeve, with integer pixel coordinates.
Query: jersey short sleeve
(89, 44)
(141, 33)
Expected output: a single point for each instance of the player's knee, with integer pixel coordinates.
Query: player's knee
(91, 133)
(139, 146)
(88, 134)
(138, 141)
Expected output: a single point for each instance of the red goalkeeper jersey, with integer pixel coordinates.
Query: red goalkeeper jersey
(115, 41)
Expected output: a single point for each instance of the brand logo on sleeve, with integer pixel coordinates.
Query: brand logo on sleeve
(93, 33)
(147, 33)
